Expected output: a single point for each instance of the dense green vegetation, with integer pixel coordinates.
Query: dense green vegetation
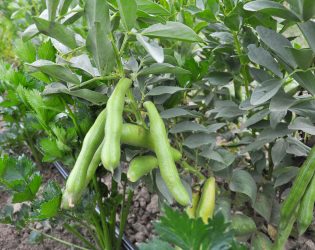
(216, 95)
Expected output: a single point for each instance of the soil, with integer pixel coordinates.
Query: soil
(143, 212)
(11, 238)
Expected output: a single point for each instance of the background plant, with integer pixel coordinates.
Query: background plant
(234, 86)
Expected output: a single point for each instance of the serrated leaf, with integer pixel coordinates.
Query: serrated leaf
(243, 182)
(176, 228)
(46, 51)
(172, 30)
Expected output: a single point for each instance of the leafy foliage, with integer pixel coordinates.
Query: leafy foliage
(178, 229)
(233, 81)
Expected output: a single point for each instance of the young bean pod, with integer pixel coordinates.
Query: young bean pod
(133, 135)
(284, 231)
(166, 162)
(140, 166)
(299, 187)
(111, 150)
(306, 215)
(206, 204)
(76, 180)
(191, 211)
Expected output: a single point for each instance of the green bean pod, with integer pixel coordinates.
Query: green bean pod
(140, 166)
(284, 231)
(299, 187)
(305, 215)
(111, 150)
(133, 135)
(166, 162)
(76, 181)
(191, 211)
(95, 162)
(206, 204)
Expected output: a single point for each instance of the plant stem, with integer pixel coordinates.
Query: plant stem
(123, 46)
(74, 120)
(112, 217)
(192, 170)
(108, 244)
(134, 107)
(33, 149)
(123, 217)
(244, 69)
(117, 55)
(270, 170)
(99, 78)
(98, 229)
(82, 223)
(59, 240)
(76, 233)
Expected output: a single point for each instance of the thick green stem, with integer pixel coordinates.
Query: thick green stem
(124, 44)
(123, 217)
(112, 217)
(134, 108)
(76, 233)
(107, 240)
(33, 149)
(117, 55)
(270, 170)
(244, 67)
(99, 231)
